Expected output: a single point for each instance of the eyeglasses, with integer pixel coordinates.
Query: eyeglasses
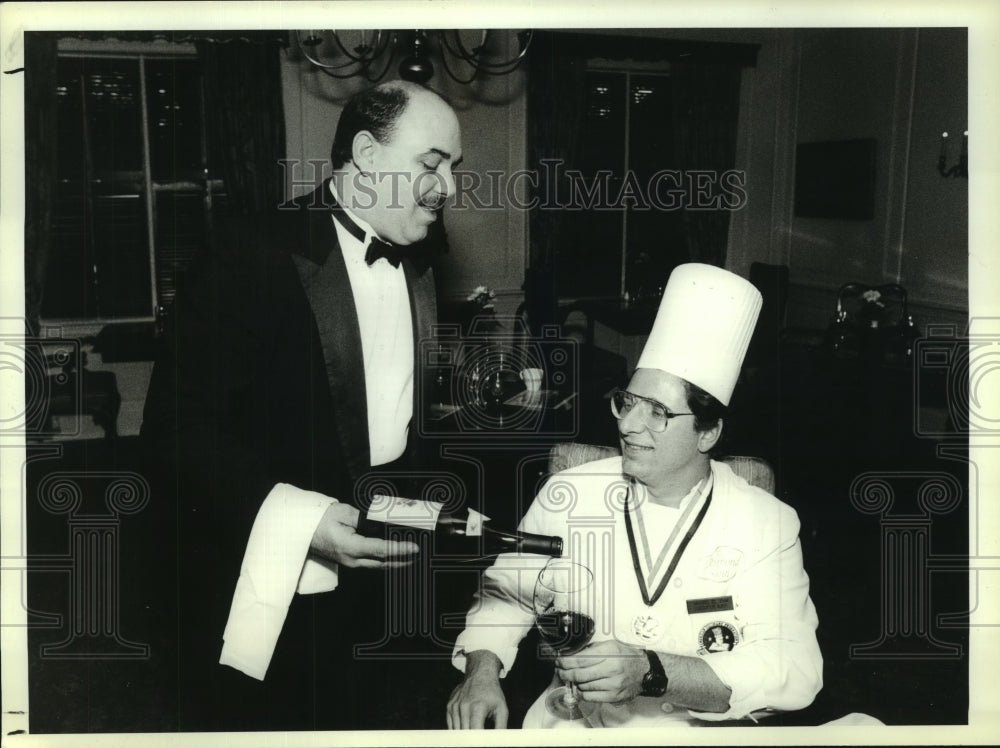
(655, 414)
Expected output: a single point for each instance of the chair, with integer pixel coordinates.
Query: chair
(755, 470)
(79, 392)
(565, 455)
(872, 323)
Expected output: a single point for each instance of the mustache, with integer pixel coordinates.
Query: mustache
(435, 201)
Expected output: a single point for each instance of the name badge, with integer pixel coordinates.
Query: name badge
(709, 605)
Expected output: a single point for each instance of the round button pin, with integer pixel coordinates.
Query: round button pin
(678, 582)
(666, 707)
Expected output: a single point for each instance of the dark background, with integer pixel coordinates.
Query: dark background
(824, 424)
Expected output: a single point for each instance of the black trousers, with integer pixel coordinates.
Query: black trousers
(345, 660)
(372, 654)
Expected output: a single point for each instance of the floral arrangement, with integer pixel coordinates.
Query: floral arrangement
(479, 314)
(871, 333)
(482, 296)
(873, 308)
(873, 296)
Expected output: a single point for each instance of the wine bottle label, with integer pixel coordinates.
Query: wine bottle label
(396, 510)
(474, 525)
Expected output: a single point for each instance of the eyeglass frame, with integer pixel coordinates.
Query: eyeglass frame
(667, 413)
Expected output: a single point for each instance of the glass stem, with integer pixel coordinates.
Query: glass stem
(572, 695)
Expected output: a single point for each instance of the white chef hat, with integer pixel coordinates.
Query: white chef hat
(703, 328)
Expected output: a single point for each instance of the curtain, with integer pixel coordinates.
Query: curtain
(245, 118)
(706, 100)
(556, 99)
(705, 78)
(40, 166)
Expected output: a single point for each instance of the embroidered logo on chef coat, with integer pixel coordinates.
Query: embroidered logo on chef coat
(717, 636)
(721, 566)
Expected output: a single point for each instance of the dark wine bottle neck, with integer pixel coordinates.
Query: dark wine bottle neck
(545, 545)
(490, 540)
(523, 542)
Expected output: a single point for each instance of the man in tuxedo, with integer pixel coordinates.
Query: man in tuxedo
(288, 371)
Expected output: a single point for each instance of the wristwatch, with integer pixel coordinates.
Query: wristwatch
(654, 683)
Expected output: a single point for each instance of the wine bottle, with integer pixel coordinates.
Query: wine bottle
(468, 535)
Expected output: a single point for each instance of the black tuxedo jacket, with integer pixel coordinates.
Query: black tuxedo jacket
(260, 380)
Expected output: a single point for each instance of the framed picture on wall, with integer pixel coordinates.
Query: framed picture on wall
(835, 179)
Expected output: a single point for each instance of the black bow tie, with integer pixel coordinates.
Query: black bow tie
(377, 249)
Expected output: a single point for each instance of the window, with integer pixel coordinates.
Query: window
(615, 240)
(135, 185)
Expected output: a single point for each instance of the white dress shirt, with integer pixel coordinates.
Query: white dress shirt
(276, 562)
(383, 306)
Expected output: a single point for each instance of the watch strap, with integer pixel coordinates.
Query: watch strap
(654, 682)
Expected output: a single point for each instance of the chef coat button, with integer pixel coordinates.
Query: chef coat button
(678, 582)
(666, 707)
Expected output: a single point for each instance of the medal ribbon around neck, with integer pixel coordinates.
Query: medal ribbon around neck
(684, 521)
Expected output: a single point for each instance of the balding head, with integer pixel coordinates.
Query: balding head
(393, 155)
(376, 110)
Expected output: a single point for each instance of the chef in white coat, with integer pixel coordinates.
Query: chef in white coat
(701, 603)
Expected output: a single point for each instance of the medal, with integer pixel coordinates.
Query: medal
(676, 541)
(647, 627)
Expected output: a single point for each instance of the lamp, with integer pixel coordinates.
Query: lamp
(961, 169)
(372, 53)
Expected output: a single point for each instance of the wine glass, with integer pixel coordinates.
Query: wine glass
(563, 603)
(495, 395)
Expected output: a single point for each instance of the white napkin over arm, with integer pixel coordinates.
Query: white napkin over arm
(275, 566)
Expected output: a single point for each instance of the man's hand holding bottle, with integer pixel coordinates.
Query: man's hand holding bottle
(336, 538)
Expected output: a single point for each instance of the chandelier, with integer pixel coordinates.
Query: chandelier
(370, 54)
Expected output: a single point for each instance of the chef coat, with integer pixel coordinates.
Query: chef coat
(733, 593)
